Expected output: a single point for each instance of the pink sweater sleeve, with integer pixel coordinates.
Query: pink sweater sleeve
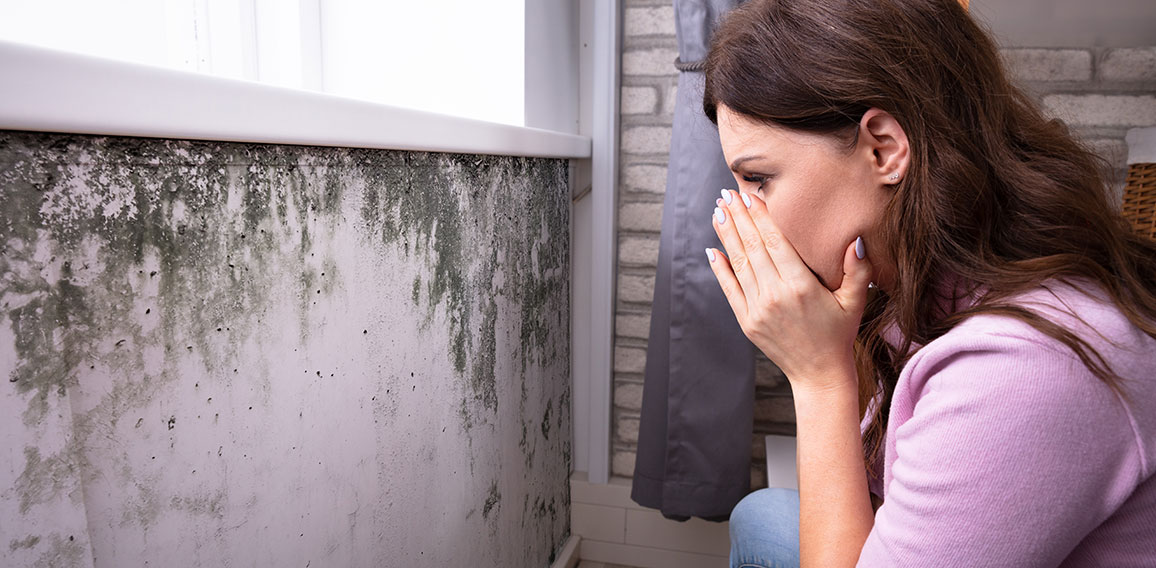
(1003, 450)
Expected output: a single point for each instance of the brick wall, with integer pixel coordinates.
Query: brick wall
(1099, 92)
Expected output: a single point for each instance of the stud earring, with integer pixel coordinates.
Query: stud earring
(894, 176)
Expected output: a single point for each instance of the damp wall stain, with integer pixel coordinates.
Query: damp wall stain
(222, 352)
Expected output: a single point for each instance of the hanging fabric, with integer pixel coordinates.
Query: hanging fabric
(694, 442)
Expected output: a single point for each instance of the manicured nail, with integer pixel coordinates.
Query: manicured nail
(718, 201)
(719, 216)
(727, 196)
(710, 254)
(746, 200)
(860, 250)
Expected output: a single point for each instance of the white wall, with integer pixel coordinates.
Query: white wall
(1070, 23)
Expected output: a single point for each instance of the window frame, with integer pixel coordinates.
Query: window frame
(50, 90)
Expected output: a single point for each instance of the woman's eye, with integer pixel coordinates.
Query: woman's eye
(755, 179)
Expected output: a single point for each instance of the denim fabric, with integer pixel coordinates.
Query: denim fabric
(764, 530)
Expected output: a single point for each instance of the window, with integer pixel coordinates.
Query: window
(457, 57)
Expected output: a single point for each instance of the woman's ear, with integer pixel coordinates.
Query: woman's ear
(887, 142)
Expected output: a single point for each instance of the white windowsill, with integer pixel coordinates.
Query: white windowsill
(53, 91)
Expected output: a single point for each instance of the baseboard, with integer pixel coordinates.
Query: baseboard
(614, 529)
(568, 558)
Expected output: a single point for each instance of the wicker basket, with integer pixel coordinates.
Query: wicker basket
(1140, 199)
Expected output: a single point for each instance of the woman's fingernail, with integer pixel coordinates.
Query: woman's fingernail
(719, 216)
(746, 200)
(727, 196)
(718, 201)
(710, 254)
(860, 250)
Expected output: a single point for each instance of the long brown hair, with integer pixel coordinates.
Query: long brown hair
(995, 193)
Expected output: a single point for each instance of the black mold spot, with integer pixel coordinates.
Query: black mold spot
(546, 420)
(493, 499)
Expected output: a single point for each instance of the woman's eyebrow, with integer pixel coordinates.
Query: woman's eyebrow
(739, 161)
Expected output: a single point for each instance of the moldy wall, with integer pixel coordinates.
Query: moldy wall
(256, 355)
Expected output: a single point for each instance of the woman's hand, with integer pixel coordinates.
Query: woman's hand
(807, 330)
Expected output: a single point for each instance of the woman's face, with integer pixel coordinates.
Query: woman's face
(820, 194)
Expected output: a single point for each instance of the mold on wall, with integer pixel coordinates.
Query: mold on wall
(235, 354)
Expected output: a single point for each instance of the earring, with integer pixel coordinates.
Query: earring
(894, 176)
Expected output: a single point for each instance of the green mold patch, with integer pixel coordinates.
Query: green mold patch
(208, 505)
(42, 479)
(114, 248)
(491, 232)
(28, 542)
(223, 224)
(61, 551)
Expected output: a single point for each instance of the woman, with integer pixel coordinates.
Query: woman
(991, 400)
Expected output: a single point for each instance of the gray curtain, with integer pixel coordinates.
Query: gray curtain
(694, 442)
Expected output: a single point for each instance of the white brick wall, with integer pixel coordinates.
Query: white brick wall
(627, 428)
(622, 462)
(640, 216)
(1094, 110)
(629, 359)
(1049, 64)
(628, 396)
(646, 140)
(645, 177)
(1099, 92)
(633, 288)
(638, 251)
(1136, 64)
(649, 62)
(649, 21)
(628, 324)
(639, 100)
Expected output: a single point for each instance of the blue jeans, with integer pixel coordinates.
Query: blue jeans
(764, 529)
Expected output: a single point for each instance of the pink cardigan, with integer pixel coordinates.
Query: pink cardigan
(1002, 449)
